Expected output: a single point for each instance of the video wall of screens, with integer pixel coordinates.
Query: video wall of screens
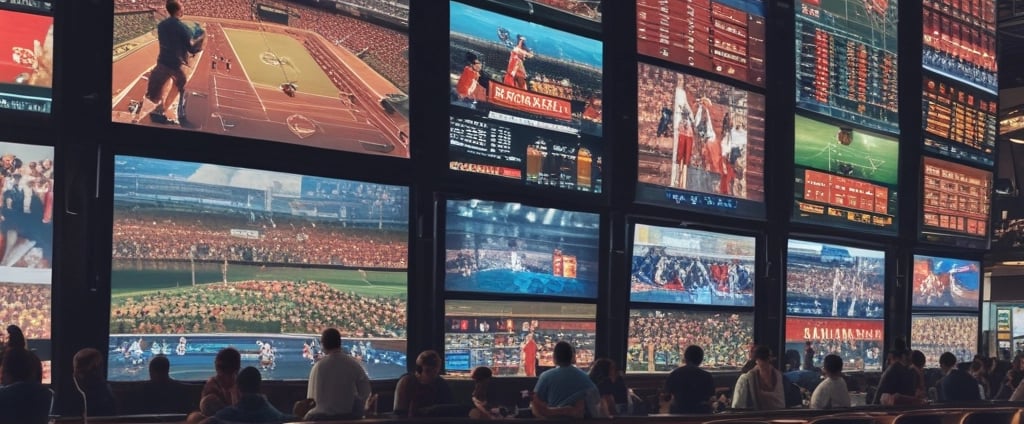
(701, 144)
(946, 283)
(960, 41)
(960, 122)
(835, 299)
(684, 266)
(725, 37)
(845, 177)
(658, 338)
(956, 204)
(26, 65)
(26, 244)
(322, 74)
(526, 101)
(515, 249)
(846, 52)
(208, 256)
(935, 334)
(515, 338)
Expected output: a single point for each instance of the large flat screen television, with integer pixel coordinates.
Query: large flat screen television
(955, 205)
(846, 61)
(26, 244)
(208, 256)
(725, 37)
(526, 101)
(333, 75)
(960, 41)
(685, 266)
(515, 249)
(658, 338)
(835, 297)
(960, 121)
(946, 283)
(515, 338)
(934, 335)
(845, 177)
(701, 144)
(26, 65)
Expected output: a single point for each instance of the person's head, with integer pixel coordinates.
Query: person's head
(428, 366)
(833, 365)
(977, 368)
(17, 366)
(792, 360)
(330, 339)
(693, 355)
(474, 61)
(1018, 362)
(947, 361)
(564, 354)
(175, 8)
(88, 365)
(480, 374)
(159, 368)
(917, 358)
(15, 338)
(602, 369)
(249, 380)
(763, 356)
(227, 362)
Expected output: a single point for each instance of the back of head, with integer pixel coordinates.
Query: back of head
(792, 360)
(600, 370)
(917, 358)
(563, 353)
(228, 361)
(15, 338)
(833, 364)
(694, 355)
(481, 373)
(88, 364)
(17, 366)
(947, 360)
(173, 7)
(159, 368)
(249, 380)
(331, 339)
(763, 353)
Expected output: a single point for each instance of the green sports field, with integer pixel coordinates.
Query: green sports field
(869, 157)
(257, 50)
(130, 278)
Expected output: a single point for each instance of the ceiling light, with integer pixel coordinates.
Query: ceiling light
(1013, 263)
(1017, 140)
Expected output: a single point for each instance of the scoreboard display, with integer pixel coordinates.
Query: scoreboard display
(725, 37)
(846, 54)
(960, 41)
(956, 204)
(960, 121)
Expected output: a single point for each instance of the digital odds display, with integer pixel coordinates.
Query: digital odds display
(960, 41)
(960, 121)
(526, 101)
(956, 204)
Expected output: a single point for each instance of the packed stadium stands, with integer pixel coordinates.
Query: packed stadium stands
(657, 339)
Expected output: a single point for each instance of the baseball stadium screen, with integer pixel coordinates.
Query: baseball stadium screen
(26, 62)
(525, 101)
(509, 248)
(846, 61)
(658, 338)
(26, 244)
(515, 338)
(946, 283)
(332, 75)
(679, 265)
(208, 256)
(721, 36)
(701, 144)
(845, 177)
(960, 122)
(960, 41)
(935, 334)
(834, 299)
(956, 201)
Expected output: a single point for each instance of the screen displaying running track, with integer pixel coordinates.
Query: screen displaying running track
(680, 265)
(845, 177)
(846, 53)
(834, 299)
(208, 256)
(26, 65)
(658, 338)
(510, 248)
(26, 244)
(946, 283)
(332, 75)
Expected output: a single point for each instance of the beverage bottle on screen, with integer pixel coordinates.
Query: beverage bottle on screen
(583, 164)
(535, 154)
(549, 170)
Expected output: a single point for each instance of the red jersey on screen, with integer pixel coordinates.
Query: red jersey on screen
(18, 34)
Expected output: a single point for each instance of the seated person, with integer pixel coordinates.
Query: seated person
(692, 388)
(417, 394)
(252, 406)
(23, 399)
(220, 391)
(831, 392)
(483, 394)
(610, 385)
(91, 382)
(338, 384)
(898, 384)
(565, 391)
(760, 388)
(956, 385)
(161, 394)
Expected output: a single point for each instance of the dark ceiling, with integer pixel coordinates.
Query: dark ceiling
(1011, 43)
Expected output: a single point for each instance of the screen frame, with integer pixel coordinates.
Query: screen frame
(945, 310)
(940, 238)
(43, 121)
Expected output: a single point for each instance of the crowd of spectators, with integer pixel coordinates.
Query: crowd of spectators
(589, 9)
(657, 339)
(132, 24)
(859, 354)
(303, 307)
(181, 236)
(659, 269)
(814, 287)
(934, 335)
(396, 8)
(27, 306)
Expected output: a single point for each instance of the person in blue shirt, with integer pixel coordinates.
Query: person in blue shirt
(566, 391)
(253, 406)
(178, 43)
